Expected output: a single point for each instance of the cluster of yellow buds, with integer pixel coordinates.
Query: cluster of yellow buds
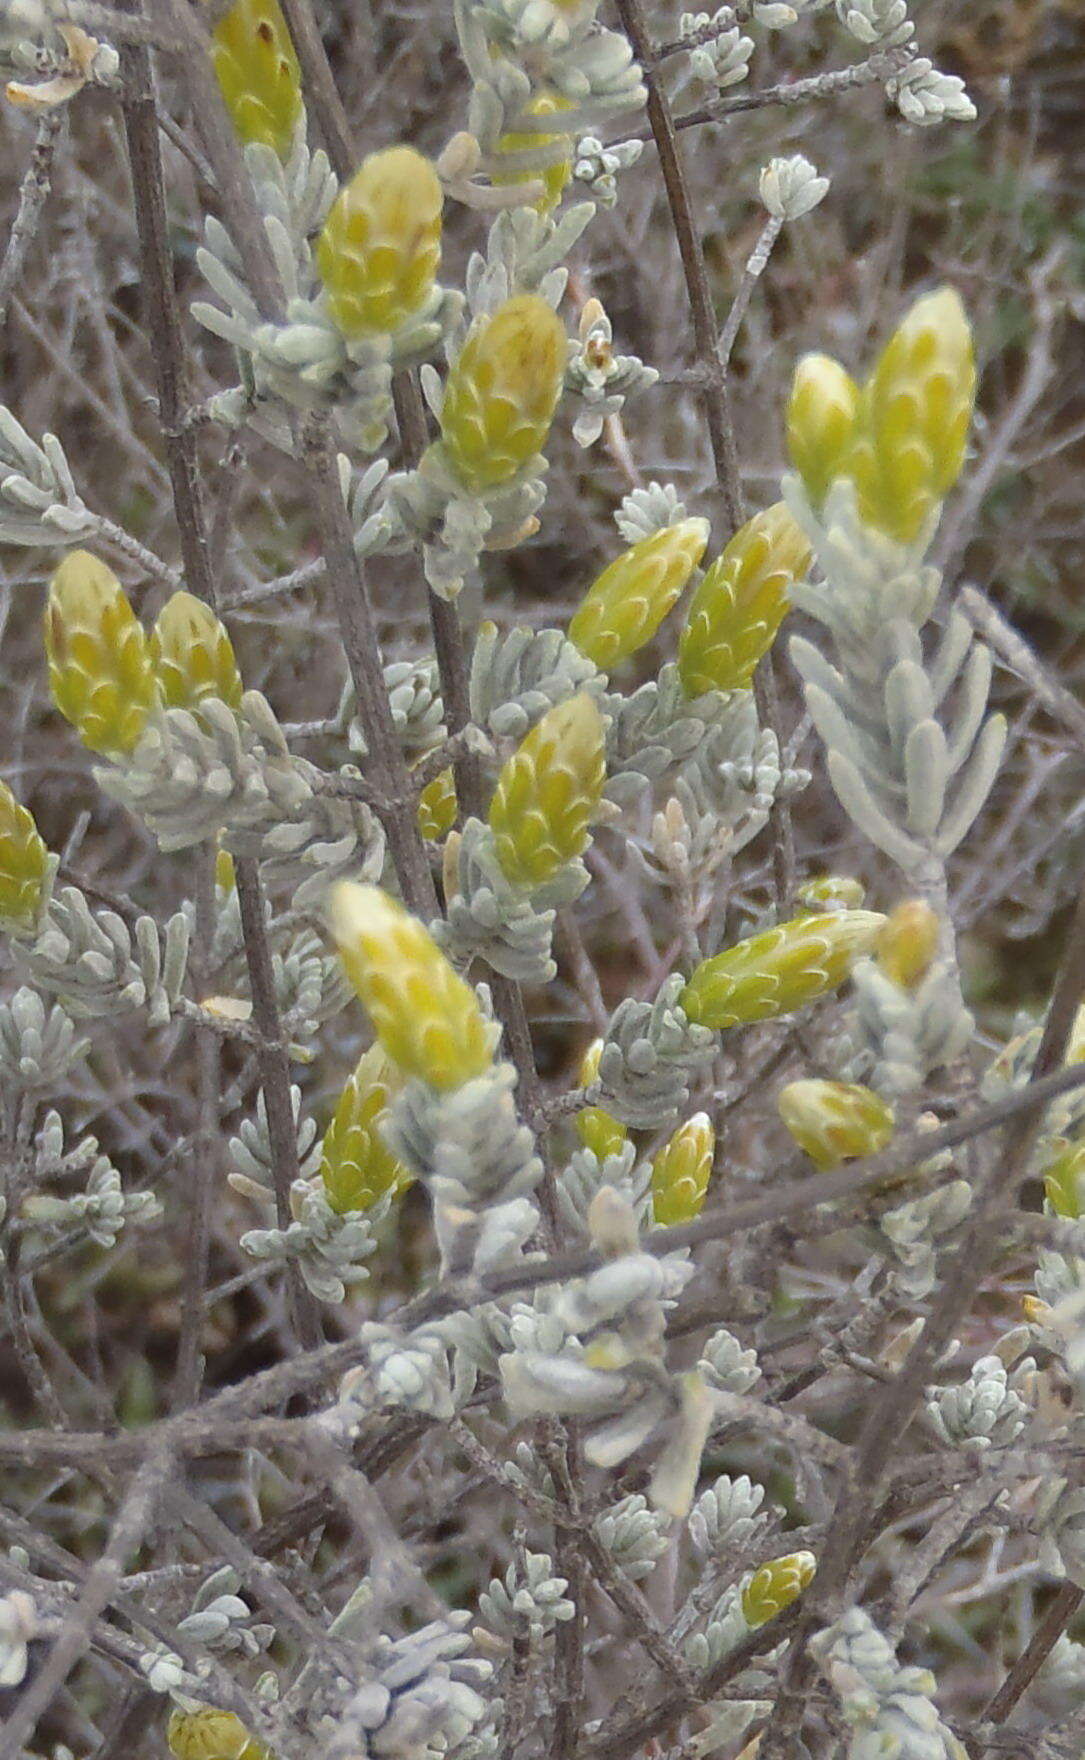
(775, 1586)
(681, 1172)
(193, 655)
(209, 1734)
(426, 1018)
(106, 675)
(741, 603)
(356, 1166)
(900, 437)
(502, 391)
(380, 248)
(908, 943)
(258, 74)
(627, 603)
(101, 671)
(24, 865)
(549, 792)
(835, 1121)
(779, 970)
(553, 177)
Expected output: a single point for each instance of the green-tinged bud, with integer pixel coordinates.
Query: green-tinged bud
(225, 877)
(915, 415)
(779, 970)
(596, 1129)
(380, 249)
(502, 391)
(835, 1121)
(193, 655)
(775, 1586)
(552, 177)
(821, 415)
(681, 1171)
(438, 806)
(258, 74)
(549, 792)
(426, 1017)
(909, 942)
(832, 890)
(1064, 1182)
(24, 864)
(632, 596)
(741, 603)
(356, 1165)
(209, 1734)
(100, 668)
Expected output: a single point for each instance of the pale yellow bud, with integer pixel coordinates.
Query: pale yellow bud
(835, 1121)
(425, 1016)
(681, 1172)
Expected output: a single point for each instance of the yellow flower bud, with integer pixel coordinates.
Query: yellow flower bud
(225, 878)
(909, 942)
(681, 1171)
(1064, 1182)
(437, 807)
(596, 1129)
(832, 889)
(426, 1017)
(552, 177)
(775, 1586)
(210, 1734)
(258, 74)
(502, 391)
(821, 415)
(779, 970)
(549, 792)
(741, 603)
(100, 668)
(835, 1121)
(915, 416)
(629, 600)
(193, 655)
(356, 1165)
(24, 865)
(380, 249)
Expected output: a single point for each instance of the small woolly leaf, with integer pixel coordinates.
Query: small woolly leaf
(554, 176)
(779, 970)
(100, 668)
(549, 792)
(425, 1016)
(629, 600)
(380, 249)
